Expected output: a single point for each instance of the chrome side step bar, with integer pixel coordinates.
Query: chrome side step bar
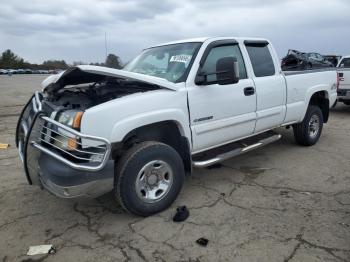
(236, 152)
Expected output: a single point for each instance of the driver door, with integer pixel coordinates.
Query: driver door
(221, 113)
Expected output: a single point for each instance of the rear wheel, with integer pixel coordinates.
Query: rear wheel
(309, 130)
(335, 104)
(148, 178)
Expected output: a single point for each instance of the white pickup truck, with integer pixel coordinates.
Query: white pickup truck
(185, 104)
(343, 69)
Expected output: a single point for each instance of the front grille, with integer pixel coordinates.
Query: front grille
(48, 108)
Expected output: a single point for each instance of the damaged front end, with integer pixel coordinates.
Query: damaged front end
(54, 152)
(58, 157)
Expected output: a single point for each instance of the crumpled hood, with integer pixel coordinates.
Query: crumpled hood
(87, 74)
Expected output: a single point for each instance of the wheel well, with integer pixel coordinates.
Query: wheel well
(321, 99)
(166, 132)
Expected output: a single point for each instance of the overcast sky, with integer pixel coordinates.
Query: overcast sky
(74, 30)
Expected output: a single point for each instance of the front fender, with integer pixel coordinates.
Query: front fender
(113, 120)
(125, 126)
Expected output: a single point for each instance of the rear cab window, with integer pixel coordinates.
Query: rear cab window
(260, 58)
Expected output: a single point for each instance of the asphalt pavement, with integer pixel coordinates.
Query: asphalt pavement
(282, 202)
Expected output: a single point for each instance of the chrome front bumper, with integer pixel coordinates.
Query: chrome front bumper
(40, 137)
(66, 182)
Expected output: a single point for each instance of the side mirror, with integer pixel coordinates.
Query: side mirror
(227, 71)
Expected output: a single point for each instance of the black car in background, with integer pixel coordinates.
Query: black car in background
(295, 60)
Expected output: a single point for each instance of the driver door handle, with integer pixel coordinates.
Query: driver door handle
(248, 91)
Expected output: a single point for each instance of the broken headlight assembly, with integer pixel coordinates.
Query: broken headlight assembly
(72, 119)
(62, 135)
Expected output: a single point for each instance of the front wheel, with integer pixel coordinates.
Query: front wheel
(309, 130)
(148, 178)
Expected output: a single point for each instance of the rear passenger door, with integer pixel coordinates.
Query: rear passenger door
(270, 85)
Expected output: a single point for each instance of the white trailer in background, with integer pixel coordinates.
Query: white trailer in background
(344, 80)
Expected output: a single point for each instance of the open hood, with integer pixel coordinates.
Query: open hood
(87, 74)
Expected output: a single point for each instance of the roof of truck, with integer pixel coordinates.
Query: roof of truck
(203, 39)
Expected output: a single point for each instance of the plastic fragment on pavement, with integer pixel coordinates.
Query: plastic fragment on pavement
(202, 241)
(306, 193)
(41, 249)
(4, 146)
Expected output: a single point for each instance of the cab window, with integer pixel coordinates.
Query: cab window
(261, 59)
(219, 52)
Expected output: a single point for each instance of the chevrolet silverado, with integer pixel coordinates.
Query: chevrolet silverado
(177, 106)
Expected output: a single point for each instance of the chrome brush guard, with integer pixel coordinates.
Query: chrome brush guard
(38, 133)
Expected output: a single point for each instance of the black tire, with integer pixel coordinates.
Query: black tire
(303, 132)
(347, 103)
(128, 170)
(335, 104)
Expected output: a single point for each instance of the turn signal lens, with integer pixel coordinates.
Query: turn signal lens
(72, 143)
(77, 120)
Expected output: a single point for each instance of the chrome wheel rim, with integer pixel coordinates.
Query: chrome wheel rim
(154, 181)
(314, 126)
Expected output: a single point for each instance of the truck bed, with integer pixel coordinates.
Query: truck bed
(301, 86)
(300, 72)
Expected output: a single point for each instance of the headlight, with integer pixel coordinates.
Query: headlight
(70, 118)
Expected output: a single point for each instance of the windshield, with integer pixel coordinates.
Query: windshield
(345, 63)
(171, 62)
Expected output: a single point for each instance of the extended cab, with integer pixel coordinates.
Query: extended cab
(176, 106)
(344, 80)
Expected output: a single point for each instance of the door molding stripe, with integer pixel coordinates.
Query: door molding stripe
(222, 123)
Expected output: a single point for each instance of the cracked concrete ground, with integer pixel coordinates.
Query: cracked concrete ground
(280, 203)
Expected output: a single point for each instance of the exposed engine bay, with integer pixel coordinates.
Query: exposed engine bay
(84, 96)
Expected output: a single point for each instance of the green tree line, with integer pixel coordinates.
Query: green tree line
(9, 60)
